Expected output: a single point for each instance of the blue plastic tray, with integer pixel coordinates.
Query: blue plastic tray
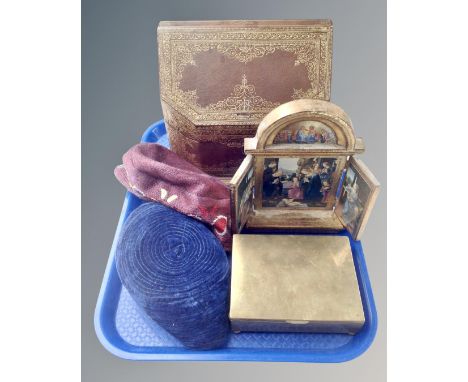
(127, 333)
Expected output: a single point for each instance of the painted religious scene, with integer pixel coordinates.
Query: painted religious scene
(297, 182)
(244, 197)
(306, 132)
(354, 195)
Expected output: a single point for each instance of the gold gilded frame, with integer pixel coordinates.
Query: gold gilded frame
(300, 110)
(261, 147)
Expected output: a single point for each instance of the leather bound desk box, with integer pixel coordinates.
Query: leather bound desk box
(218, 79)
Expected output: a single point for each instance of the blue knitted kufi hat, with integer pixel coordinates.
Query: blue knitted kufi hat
(177, 271)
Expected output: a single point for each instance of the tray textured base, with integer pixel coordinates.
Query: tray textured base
(126, 332)
(136, 329)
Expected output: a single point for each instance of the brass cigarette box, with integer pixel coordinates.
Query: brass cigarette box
(294, 283)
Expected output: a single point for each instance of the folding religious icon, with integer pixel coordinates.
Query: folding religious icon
(299, 175)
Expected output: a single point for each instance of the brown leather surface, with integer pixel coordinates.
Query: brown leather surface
(214, 75)
(215, 158)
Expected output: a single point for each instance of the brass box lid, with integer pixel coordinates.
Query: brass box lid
(308, 283)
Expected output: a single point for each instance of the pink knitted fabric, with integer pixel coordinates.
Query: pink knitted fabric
(154, 173)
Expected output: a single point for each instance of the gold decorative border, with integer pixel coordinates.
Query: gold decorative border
(312, 45)
(303, 110)
(229, 135)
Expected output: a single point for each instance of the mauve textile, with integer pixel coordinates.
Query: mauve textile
(155, 173)
(177, 271)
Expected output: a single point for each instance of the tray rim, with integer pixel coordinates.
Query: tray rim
(345, 353)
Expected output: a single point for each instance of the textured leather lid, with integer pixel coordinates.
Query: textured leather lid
(235, 72)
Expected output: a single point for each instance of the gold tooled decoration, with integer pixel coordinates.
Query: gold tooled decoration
(310, 44)
(242, 99)
(231, 135)
(300, 93)
(245, 53)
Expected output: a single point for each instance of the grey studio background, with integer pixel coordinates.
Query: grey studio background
(120, 98)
